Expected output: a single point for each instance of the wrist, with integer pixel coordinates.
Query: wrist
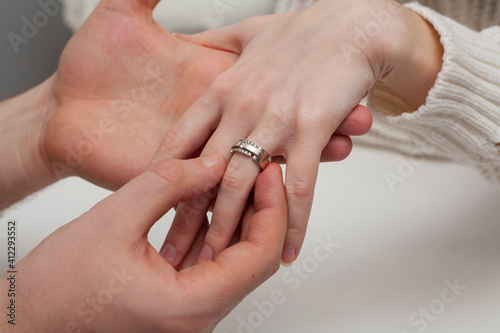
(24, 164)
(415, 60)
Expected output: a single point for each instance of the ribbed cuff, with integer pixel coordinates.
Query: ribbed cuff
(461, 115)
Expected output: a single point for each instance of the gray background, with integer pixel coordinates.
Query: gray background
(37, 59)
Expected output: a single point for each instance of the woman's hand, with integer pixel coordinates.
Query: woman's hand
(122, 82)
(299, 76)
(99, 273)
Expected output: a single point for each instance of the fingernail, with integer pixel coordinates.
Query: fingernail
(206, 254)
(288, 255)
(211, 160)
(169, 253)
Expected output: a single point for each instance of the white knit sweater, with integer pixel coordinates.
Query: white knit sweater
(461, 117)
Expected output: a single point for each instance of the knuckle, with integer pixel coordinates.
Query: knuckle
(305, 123)
(229, 90)
(283, 111)
(169, 171)
(184, 214)
(298, 190)
(296, 232)
(221, 86)
(249, 99)
(172, 141)
(182, 227)
(217, 232)
(234, 178)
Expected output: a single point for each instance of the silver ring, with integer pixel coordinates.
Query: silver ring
(250, 149)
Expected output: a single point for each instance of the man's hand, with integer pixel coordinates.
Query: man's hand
(121, 83)
(99, 273)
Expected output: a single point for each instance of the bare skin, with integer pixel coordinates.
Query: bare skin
(122, 83)
(99, 273)
(308, 69)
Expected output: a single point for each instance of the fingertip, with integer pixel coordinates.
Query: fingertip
(270, 176)
(212, 160)
(365, 119)
(269, 188)
(358, 122)
(169, 253)
(268, 225)
(213, 164)
(206, 254)
(338, 148)
(288, 255)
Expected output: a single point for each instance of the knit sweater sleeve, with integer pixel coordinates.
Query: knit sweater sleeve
(460, 119)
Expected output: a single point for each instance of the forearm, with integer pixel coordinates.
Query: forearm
(23, 167)
(460, 119)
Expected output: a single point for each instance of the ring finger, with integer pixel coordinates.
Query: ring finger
(237, 183)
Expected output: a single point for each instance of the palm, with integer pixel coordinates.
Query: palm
(121, 82)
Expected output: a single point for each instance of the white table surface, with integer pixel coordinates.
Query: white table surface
(396, 250)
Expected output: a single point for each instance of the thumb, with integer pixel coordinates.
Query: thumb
(241, 268)
(232, 38)
(137, 206)
(224, 39)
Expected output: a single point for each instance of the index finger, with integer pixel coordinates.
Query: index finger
(146, 198)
